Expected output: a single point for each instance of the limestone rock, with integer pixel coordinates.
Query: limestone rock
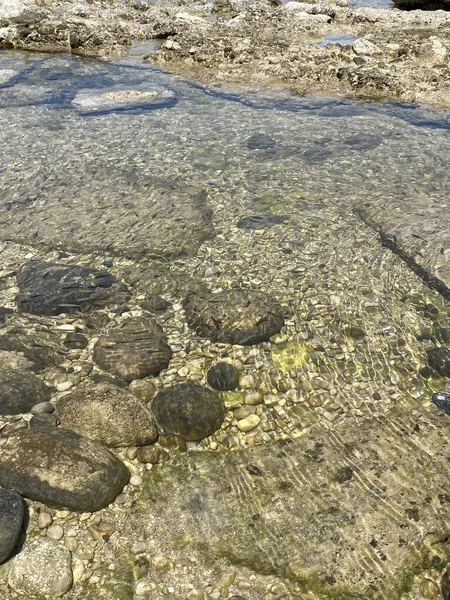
(107, 414)
(120, 98)
(134, 350)
(188, 410)
(11, 517)
(51, 289)
(61, 468)
(20, 391)
(42, 570)
(234, 316)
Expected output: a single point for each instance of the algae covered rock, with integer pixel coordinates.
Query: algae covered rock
(61, 468)
(107, 414)
(20, 391)
(135, 350)
(188, 410)
(234, 316)
(48, 288)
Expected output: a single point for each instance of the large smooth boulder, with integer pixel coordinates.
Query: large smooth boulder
(42, 570)
(136, 349)
(20, 391)
(188, 410)
(234, 316)
(51, 289)
(11, 517)
(107, 414)
(62, 469)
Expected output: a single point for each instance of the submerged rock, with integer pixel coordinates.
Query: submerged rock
(51, 289)
(108, 415)
(20, 391)
(261, 221)
(134, 350)
(223, 377)
(439, 360)
(11, 517)
(189, 411)
(61, 468)
(120, 98)
(260, 141)
(234, 316)
(442, 401)
(42, 570)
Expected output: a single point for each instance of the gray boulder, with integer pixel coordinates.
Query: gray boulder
(42, 570)
(20, 391)
(134, 350)
(109, 415)
(11, 517)
(62, 469)
(51, 289)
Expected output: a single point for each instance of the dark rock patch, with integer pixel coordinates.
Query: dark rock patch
(37, 349)
(11, 517)
(156, 304)
(234, 316)
(439, 360)
(44, 420)
(442, 401)
(52, 289)
(223, 376)
(75, 341)
(20, 391)
(364, 141)
(136, 349)
(260, 141)
(108, 415)
(261, 221)
(189, 411)
(62, 469)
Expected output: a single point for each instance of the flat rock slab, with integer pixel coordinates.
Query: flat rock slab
(416, 229)
(20, 391)
(349, 513)
(21, 348)
(105, 209)
(189, 411)
(62, 469)
(121, 98)
(42, 570)
(136, 349)
(108, 415)
(234, 316)
(11, 517)
(51, 289)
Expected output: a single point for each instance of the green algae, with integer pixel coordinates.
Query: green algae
(291, 355)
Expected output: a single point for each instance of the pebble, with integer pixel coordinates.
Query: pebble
(247, 382)
(161, 563)
(429, 589)
(64, 386)
(55, 532)
(254, 398)
(42, 408)
(44, 520)
(136, 480)
(249, 423)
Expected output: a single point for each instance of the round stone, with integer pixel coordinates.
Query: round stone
(20, 391)
(55, 532)
(11, 517)
(188, 410)
(42, 570)
(223, 376)
(429, 589)
(42, 408)
(152, 455)
(44, 520)
(249, 423)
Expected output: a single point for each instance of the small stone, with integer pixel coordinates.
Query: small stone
(247, 382)
(71, 543)
(44, 520)
(254, 398)
(138, 548)
(244, 411)
(55, 532)
(223, 377)
(42, 570)
(42, 407)
(136, 480)
(152, 455)
(197, 594)
(429, 589)
(226, 579)
(156, 304)
(249, 423)
(161, 563)
(63, 387)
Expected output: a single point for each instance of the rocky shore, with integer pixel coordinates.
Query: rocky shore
(307, 47)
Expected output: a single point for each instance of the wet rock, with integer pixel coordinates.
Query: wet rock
(61, 468)
(75, 341)
(261, 221)
(44, 420)
(223, 376)
(42, 570)
(51, 289)
(12, 361)
(234, 316)
(36, 350)
(134, 350)
(107, 414)
(156, 304)
(363, 141)
(20, 391)
(152, 455)
(445, 585)
(11, 517)
(120, 98)
(42, 407)
(442, 401)
(439, 360)
(189, 411)
(260, 141)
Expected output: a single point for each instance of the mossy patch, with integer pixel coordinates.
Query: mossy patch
(292, 355)
(232, 399)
